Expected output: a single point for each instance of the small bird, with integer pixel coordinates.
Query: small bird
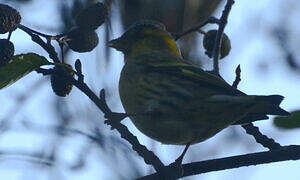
(173, 101)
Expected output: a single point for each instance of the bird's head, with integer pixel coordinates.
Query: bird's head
(145, 37)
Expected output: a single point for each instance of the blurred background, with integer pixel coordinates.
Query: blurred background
(43, 136)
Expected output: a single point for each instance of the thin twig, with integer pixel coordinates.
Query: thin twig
(61, 45)
(217, 44)
(41, 34)
(237, 77)
(211, 20)
(9, 35)
(46, 46)
(260, 138)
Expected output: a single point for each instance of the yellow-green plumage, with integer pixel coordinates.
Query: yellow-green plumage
(175, 102)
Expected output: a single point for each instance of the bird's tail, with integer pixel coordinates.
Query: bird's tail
(270, 105)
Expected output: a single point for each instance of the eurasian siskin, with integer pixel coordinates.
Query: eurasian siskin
(175, 102)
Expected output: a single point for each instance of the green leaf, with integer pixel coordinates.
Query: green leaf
(291, 122)
(20, 66)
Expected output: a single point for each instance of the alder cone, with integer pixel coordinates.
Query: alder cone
(82, 40)
(7, 50)
(209, 42)
(9, 19)
(59, 85)
(92, 17)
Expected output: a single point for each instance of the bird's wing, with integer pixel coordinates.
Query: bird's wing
(191, 73)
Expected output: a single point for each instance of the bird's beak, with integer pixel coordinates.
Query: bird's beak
(115, 43)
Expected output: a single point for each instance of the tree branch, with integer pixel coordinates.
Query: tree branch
(237, 77)
(46, 46)
(285, 153)
(211, 20)
(113, 118)
(260, 138)
(217, 45)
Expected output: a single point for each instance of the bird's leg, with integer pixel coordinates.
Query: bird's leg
(177, 164)
(180, 158)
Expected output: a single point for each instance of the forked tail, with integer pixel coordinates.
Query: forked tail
(270, 105)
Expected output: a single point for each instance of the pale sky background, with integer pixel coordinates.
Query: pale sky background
(251, 45)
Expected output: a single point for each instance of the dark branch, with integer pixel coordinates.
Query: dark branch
(237, 77)
(113, 118)
(46, 46)
(24, 28)
(114, 121)
(222, 24)
(283, 154)
(211, 20)
(260, 138)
